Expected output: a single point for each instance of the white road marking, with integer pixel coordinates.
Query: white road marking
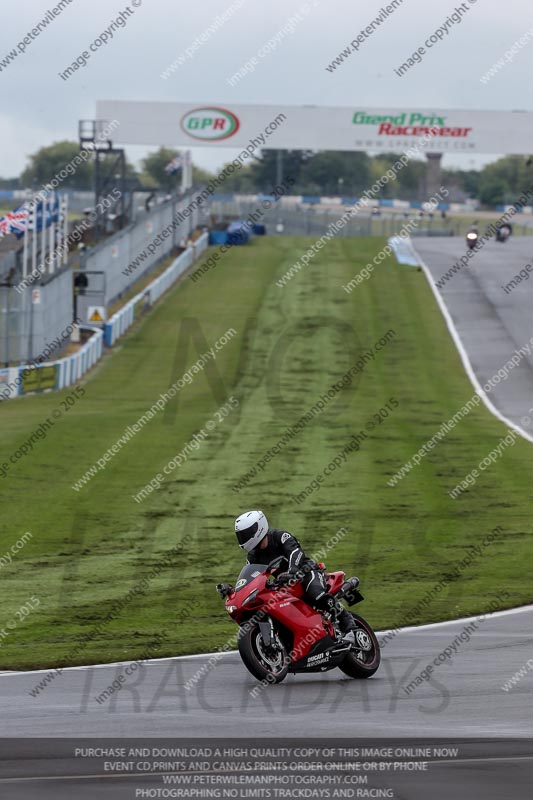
(464, 355)
(221, 654)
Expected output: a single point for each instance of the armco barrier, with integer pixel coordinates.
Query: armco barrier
(25, 379)
(121, 321)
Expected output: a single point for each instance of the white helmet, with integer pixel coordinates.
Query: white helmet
(251, 527)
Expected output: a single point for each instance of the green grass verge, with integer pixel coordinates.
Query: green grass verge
(90, 548)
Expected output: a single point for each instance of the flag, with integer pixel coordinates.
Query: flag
(63, 209)
(24, 219)
(4, 227)
(39, 216)
(14, 222)
(53, 209)
(174, 166)
(18, 220)
(45, 213)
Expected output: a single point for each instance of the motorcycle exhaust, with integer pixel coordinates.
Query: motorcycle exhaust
(350, 592)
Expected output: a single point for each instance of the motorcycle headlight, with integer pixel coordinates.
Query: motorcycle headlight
(231, 609)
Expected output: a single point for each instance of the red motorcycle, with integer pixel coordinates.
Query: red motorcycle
(280, 632)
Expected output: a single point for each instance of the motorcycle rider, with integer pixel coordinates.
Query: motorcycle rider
(263, 544)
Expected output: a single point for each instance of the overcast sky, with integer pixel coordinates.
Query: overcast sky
(37, 107)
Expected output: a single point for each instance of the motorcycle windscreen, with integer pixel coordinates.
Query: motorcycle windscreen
(248, 573)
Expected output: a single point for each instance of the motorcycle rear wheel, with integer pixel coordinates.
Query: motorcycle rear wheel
(364, 658)
(263, 666)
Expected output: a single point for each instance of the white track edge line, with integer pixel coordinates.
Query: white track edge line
(462, 351)
(221, 654)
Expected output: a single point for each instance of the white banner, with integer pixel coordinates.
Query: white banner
(319, 128)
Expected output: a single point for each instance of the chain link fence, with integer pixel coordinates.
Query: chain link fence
(302, 220)
(33, 321)
(136, 250)
(313, 220)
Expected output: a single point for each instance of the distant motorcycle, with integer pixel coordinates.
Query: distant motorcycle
(503, 232)
(472, 238)
(280, 632)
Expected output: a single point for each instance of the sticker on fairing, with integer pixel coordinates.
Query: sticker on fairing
(240, 583)
(255, 574)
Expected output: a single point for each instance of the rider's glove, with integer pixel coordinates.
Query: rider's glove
(297, 574)
(224, 589)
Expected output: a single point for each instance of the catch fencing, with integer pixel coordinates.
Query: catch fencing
(309, 220)
(32, 319)
(131, 253)
(306, 219)
(30, 378)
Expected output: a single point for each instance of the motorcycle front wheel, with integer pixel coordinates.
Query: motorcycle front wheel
(364, 657)
(264, 665)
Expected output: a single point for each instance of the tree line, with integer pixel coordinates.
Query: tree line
(324, 173)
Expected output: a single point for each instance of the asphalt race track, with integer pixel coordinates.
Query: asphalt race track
(491, 322)
(463, 699)
(499, 770)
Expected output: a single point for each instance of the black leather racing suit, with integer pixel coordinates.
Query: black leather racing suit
(282, 543)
